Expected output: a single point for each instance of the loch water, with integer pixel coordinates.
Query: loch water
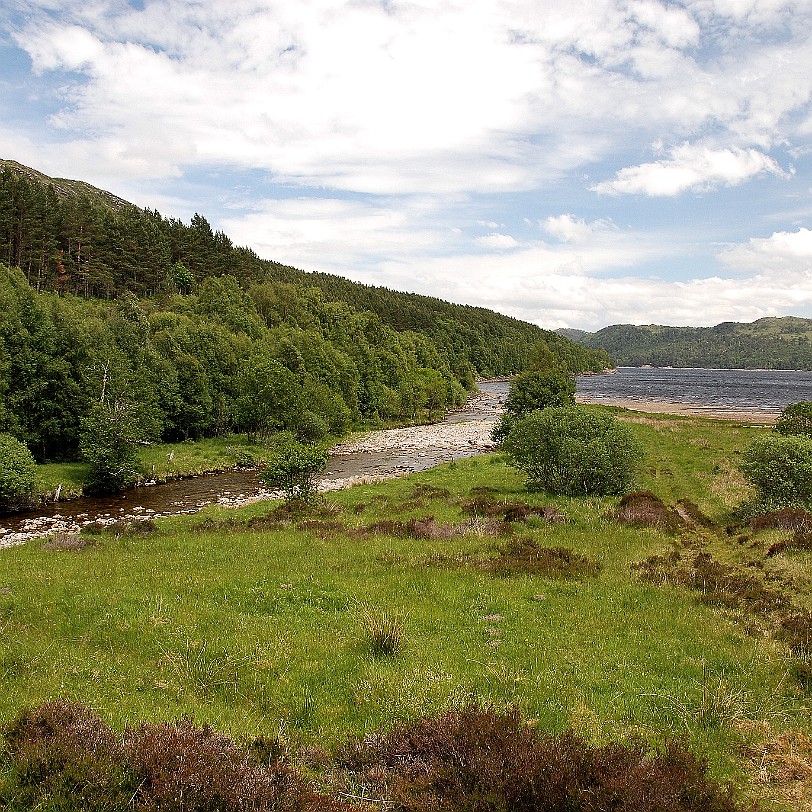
(756, 390)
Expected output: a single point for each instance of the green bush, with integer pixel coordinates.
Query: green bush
(310, 427)
(540, 390)
(796, 419)
(294, 467)
(574, 451)
(18, 471)
(537, 389)
(779, 467)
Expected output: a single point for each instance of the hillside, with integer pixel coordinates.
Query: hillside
(769, 343)
(69, 237)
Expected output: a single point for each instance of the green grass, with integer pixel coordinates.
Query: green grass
(250, 630)
(163, 460)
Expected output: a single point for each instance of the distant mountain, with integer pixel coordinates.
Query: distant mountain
(769, 343)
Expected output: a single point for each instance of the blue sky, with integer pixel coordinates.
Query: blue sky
(572, 164)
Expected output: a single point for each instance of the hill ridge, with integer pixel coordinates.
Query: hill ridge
(770, 342)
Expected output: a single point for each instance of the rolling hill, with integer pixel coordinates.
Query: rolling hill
(768, 343)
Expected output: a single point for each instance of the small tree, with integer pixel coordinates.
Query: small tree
(110, 434)
(796, 419)
(574, 451)
(780, 469)
(18, 471)
(294, 468)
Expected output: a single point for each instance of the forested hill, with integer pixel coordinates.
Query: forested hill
(117, 318)
(71, 238)
(769, 343)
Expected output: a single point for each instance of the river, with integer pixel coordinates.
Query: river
(376, 456)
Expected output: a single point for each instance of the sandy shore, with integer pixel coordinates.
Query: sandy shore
(667, 407)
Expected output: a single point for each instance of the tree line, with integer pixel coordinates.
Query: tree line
(70, 239)
(769, 343)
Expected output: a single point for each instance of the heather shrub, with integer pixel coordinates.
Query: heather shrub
(796, 631)
(63, 756)
(645, 509)
(718, 584)
(184, 767)
(525, 556)
(784, 519)
(475, 759)
(574, 451)
(799, 541)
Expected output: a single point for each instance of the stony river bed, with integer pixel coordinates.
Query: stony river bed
(375, 456)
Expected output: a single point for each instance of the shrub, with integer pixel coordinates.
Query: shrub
(294, 467)
(537, 389)
(646, 509)
(574, 451)
(108, 442)
(474, 759)
(311, 428)
(787, 518)
(63, 753)
(18, 471)
(525, 556)
(63, 757)
(540, 390)
(185, 767)
(796, 419)
(779, 467)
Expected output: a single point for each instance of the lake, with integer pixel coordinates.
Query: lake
(749, 391)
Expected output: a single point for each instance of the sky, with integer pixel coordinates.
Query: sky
(572, 164)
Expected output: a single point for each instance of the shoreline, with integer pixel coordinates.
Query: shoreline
(665, 407)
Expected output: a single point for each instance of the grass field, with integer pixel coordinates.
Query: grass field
(401, 599)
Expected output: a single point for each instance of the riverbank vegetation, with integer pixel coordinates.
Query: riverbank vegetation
(640, 619)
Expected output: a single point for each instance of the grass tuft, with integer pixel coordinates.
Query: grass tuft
(384, 633)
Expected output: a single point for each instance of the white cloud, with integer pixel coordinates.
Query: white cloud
(403, 97)
(403, 125)
(566, 228)
(690, 167)
(497, 242)
(335, 235)
(786, 256)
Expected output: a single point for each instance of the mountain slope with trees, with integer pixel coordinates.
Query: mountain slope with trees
(769, 343)
(123, 326)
